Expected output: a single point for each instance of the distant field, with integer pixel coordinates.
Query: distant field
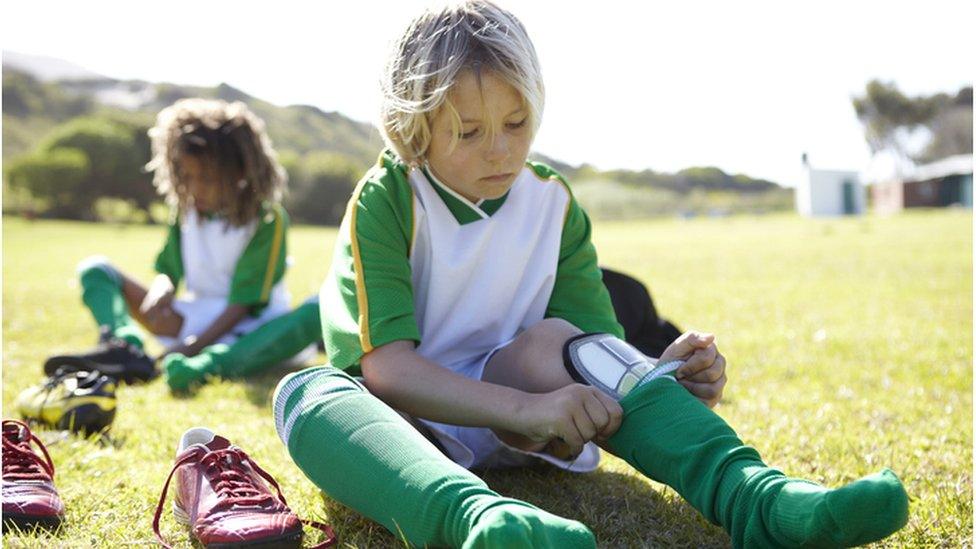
(849, 344)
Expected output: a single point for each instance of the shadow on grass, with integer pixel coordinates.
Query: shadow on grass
(353, 529)
(622, 510)
(38, 534)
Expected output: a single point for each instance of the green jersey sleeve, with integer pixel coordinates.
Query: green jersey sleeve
(262, 265)
(367, 297)
(170, 259)
(579, 295)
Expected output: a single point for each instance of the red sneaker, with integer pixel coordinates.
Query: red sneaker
(221, 494)
(29, 496)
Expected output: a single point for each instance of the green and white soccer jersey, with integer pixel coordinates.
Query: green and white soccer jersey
(222, 264)
(416, 261)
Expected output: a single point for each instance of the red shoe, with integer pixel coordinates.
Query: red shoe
(29, 496)
(221, 494)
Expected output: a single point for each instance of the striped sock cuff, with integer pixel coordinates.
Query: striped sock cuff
(666, 369)
(298, 392)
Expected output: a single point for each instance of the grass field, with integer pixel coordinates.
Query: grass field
(849, 344)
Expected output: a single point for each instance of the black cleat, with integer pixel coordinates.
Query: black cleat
(113, 357)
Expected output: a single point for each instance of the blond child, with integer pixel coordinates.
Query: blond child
(465, 290)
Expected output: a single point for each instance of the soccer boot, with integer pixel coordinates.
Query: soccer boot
(114, 357)
(222, 494)
(79, 401)
(29, 496)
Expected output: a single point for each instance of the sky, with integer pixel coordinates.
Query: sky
(746, 86)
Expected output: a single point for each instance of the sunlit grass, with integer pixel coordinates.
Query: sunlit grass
(849, 344)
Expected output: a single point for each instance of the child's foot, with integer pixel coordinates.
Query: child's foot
(865, 510)
(518, 526)
(182, 371)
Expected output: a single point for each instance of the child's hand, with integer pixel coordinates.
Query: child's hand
(703, 372)
(158, 301)
(575, 415)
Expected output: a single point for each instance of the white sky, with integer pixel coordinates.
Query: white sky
(746, 86)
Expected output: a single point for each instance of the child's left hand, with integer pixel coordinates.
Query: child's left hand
(703, 372)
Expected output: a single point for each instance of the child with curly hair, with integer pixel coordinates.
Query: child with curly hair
(226, 242)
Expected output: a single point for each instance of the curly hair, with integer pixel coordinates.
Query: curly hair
(231, 139)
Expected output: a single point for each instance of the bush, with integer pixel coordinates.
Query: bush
(56, 177)
(85, 159)
(320, 186)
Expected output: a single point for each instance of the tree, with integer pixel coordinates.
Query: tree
(96, 157)
(952, 128)
(918, 129)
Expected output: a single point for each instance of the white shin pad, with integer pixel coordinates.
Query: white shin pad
(611, 364)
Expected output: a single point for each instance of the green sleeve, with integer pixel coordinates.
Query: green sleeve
(579, 295)
(367, 297)
(262, 265)
(170, 259)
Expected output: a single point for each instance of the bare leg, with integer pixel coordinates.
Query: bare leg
(533, 363)
(167, 324)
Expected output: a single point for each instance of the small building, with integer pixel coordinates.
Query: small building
(829, 192)
(946, 182)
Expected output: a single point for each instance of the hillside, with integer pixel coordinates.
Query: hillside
(324, 152)
(31, 106)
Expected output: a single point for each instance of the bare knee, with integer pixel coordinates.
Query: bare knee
(98, 266)
(533, 362)
(548, 335)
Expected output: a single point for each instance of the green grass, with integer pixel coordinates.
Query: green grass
(849, 344)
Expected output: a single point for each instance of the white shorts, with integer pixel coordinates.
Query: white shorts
(479, 447)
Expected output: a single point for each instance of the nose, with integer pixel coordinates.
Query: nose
(497, 148)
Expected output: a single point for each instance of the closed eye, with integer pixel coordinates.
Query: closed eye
(470, 134)
(517, 125)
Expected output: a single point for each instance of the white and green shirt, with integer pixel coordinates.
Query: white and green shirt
(243, 265)
(416, 261)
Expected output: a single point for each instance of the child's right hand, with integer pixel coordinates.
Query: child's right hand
(158, 300)
(574, 415)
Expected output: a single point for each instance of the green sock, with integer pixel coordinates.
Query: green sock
(671, 437)
(360, 452)
(101, 291)
(268, 345)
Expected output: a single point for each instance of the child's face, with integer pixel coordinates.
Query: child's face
(493, 141)
(202, 183)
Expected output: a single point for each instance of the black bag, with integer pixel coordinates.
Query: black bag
(632, 303)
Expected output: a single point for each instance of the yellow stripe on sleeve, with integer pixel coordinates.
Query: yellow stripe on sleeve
(357, 261)
(273, 256)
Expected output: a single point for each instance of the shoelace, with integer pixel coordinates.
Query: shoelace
(229, 480)
(50, 384)
(19, 460)
(224, 468)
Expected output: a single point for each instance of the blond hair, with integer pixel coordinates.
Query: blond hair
(434, 49)
(230, 138)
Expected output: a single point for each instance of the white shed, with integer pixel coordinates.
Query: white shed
(829, 192)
